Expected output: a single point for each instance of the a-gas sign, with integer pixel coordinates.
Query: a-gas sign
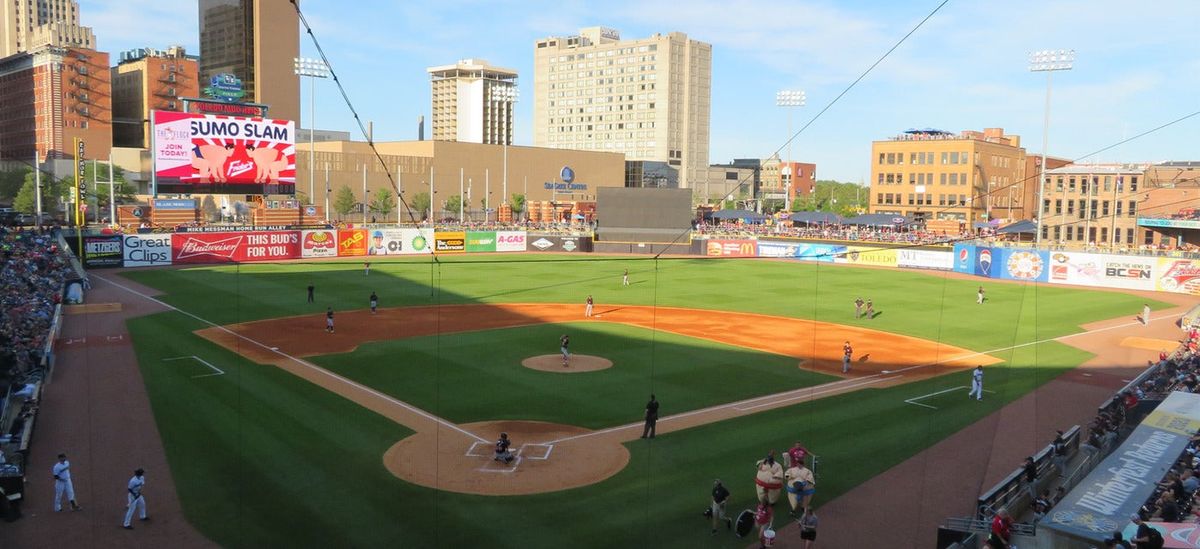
(510, 241)
(147, 250)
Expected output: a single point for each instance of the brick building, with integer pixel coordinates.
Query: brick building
(50, 96)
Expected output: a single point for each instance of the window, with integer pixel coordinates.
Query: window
(880, 178)
(1132, 208)
(1091, 232)
(953, 178)
(900, 158)
(912, 179)
(941, 200)
(1057, 233)
(891, 158)
(1069, 235)
(1104, 235)
(962, 179)
(881, 158)
(1071, 184)
(891, 178)
(879, 198)
(1083, 185)
(1104, 209)
(1149, 237)
(962, 157)
(1082, 208)
(1070, 207)
(1119, 204)
(1045, 232)
(910, 199)
(1045, 207)
(912, 158)
(1133, 183)
(945, 157)
(920, 179)
(1079, 233)
(1092, 207)
(1058, 184)
(1107, 183)
(1129, 236)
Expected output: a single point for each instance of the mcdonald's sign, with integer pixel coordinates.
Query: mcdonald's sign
(731, 248)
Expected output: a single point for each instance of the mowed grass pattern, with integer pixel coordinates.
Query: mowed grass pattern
(265, 459)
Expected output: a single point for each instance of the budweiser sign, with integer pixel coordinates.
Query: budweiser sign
(224, 248)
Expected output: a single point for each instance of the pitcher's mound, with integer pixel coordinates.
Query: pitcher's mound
(579, 363)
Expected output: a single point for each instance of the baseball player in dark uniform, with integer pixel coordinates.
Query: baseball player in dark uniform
(310, 292)
(329, 319)
(847, 354)
(587, 312)
(563, 343)
(374, 300)
(651, 418)
(870, 309)
(503, 453)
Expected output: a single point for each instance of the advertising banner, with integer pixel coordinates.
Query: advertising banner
(984, 263)
(768, 248)
(147, 250)
(865, 255)
(174, 204)
(731, 248)
(925, 259)
(102, 251)
(1109, 271)
(964, 258)
(235, 247)
(1181, 276)
(318, 243)
(205, 153)
(820, 252)
(1103, 501)
(481, 241)
(510, 241)
(351, 242)
(399, 241)
(454, 242)
(552, 243)
(1024, 265)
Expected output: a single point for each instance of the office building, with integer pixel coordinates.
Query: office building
(28, 25)
(936, 175)
(778, 180)
(1094, 204)
(648, 98)
(473, 102)
(257, 41)
(149, 79)
(49, 97)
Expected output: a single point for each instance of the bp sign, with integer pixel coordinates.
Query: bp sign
(225, 87)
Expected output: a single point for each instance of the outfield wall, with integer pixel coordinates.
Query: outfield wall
(1129, 272)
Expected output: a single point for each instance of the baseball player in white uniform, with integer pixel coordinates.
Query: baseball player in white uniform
(134, 497)
(62, 484)
(976, 383)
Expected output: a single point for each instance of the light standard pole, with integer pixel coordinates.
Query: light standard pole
(1047, 61)
(505, 95)
(789, 98)
(313, 69)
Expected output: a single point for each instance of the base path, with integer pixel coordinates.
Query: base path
(551, 457)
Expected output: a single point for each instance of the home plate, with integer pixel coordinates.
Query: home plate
(885, 372)
(597, 316)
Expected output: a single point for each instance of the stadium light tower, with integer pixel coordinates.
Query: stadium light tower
(313, 69)
(1047, 61)
(789, 98)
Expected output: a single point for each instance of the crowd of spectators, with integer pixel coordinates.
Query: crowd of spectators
(31, 283)
(855, 233)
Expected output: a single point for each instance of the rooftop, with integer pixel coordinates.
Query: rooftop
(1116, 168)
(472, 65)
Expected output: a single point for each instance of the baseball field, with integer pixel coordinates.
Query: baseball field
(380, 434)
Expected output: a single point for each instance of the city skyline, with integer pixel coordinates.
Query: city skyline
(967, 68)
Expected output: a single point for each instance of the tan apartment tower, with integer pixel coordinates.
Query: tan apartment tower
(473, 102)
(27, 25)
(257, 41)
(149, 79)
(968, 177)
(648, 98)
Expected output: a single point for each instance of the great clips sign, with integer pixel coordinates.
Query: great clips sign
(235, 247)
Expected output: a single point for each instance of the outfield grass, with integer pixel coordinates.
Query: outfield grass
(263, 458)
(479, 376)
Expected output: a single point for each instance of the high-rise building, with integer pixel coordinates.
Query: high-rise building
(27, 25)
(647, 98)
(50, 96)
(936, 175)
(473, 102)
(256, 41)
(149, 79)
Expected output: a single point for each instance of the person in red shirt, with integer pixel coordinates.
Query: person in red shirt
(762, 517)
(796, 454)
(1001, 530)
(1162, 356)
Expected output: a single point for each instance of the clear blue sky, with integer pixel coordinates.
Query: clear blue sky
(966, 68)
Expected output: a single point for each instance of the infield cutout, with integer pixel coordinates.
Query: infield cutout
(577, 364)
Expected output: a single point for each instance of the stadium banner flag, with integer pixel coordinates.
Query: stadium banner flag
(1180, 276)
(1020, 264)
(449, 242)
(511, 241)
(964, 258)
(102, 251)
(205, 153)
(985, 264)
(867, 255)
(731, 248)
(146, 250)
(383, 241)
(925, 259)
(235, 247)
(318, 243)
(481, 241)
(1102, 270)
(352, 242)
(1103, 501)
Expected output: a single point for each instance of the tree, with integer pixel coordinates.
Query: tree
(11, 182)
(26, 199)
(453, 204)
(517, 203)
(344, 201)
(420, 203)
(209, 209)
(383, 202)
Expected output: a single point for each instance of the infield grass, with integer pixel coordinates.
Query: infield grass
(262, 458)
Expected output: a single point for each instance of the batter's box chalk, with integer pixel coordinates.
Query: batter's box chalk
(494, 466)
(536, 451)
(474, 445)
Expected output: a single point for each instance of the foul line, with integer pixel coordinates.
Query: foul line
(202, 361)
(914, 400)
(306, 364)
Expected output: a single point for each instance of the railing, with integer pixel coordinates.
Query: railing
(1097, 249)
(1011, 491)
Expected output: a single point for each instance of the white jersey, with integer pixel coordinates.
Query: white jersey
(135, 485)
(63, 470)
(978, 378)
